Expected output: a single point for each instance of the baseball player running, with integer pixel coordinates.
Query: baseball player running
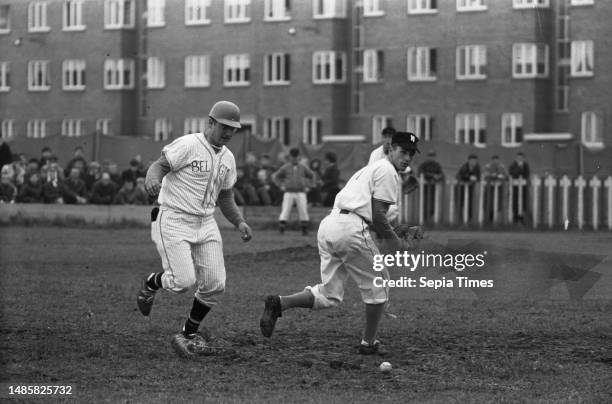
(193, 174)
(346, 247)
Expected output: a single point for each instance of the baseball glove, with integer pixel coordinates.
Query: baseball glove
(408, 232)
(410, 184)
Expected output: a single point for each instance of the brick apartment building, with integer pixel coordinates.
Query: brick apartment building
(496, 75)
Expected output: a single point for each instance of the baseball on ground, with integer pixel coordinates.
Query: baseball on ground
(385, 367)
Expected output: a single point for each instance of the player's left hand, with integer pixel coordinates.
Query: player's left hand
(409, 232)
(246, 231)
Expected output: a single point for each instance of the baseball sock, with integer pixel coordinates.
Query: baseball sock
(303, 299)
(154, 281)
(373, 314)
(198, 311)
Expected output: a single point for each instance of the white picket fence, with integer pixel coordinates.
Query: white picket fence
(549, 202)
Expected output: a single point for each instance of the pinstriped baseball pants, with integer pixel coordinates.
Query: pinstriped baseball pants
(191, 251)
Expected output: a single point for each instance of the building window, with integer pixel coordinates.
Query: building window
(5, 76)
(582, 2)
(237, 70)
(471, 5)
(156, 73)
(73, 15)
(277, 127)
(38, 75)
(582, 58)
(5, 19)
(7, 129)
(237, 11)
(196, 12)
(311, 130)
(37, 17)
(72, 127)
(372, 8)
(155, 13)
(73, 74)
(373, 65)
(471, 129)
(529, 60)
(118, 14)
(591, 130)
(118, 74)
(194, 125)
(512, 129)
(197, 71)
(422, 64)
(329, 8)
(422, 6)
(471, 62)
(277, 67)
(380, 122)
(163, 129)
(328, 67)
(103, 126)
(529, 3)
(421, 125)
(36, 128)
(277, 10)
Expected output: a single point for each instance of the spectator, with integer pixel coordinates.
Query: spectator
(132, 173)
(113, 171)
(251, 169)
(468, 175)
(52, 187)
(93, 174)
(8, 190)
(142, 196)
(45, 155)
(126, 194)
(314, 195)
(495, 175)
(20, 164)
(104, 190)
(32, 190)
(77, 159)
(74, 189)
(519, 169)
(6, 156)
(246, 191)
(381, 151)
(330, 180)
(432, 173)
(52, 170)
(293, 179)
(269, 193)
(32, 168)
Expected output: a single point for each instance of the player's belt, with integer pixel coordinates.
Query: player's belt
(346, 212)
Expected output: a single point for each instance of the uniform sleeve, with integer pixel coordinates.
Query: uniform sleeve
(385, 187)
(178, 153)
(230, 178)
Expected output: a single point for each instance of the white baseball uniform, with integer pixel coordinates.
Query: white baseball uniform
(185, 232)
(345, 245)
(393, 212)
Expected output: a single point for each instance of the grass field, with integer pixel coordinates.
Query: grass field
(69, 316)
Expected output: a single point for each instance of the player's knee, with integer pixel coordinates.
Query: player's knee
(321, 301)
(182, 283)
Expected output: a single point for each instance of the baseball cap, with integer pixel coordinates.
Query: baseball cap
(406, 140)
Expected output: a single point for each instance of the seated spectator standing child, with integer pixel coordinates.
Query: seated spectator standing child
(32, 190)
(8, 190)
(104, 190)
(74, 189)
(126, 195)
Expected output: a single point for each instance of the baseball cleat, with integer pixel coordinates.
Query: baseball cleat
(191, 346)
(374, 348)
(272, 311)
(145, 299)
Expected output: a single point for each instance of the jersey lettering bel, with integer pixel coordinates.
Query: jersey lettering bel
(197, 175)
(378, 180)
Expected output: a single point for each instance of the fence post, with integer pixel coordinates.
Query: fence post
(595, 184)
(536, 183)
(550, 183)
(481, 191)
(466, 202)
(437, 202)
(451, 207)
(580, 184)
(565, 184)
(496, 189)
(608, 184)
(521, 183)
(421, 199)
(511, 183)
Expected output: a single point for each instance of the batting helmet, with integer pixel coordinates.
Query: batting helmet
(227, 113)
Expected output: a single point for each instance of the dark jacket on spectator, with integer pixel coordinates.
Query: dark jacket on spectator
(103, 194)
(518, 171)
(8, 192)
(31, 193)
(52, 192)
(73, 188)
(465, 172)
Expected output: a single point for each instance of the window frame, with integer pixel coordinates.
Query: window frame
(423, 132)
(277, 127)
(103, 126)
(37, 16)
(528, 51)
(197, 71)
(314, 136)
(373, 65)
(515, 125)
(373, 8)
(271, 61)
(72, 127)
(73, 9)
(328, 9)
(112, 24)
(121, 65)
(191, 7)
(155, 73)
(413, 7)
(162, 129)
(332, 59)
(156, 13)
(478, 129)
(581, 51)
(473, 55)
(596, 130)
(241, 64)
(379, 122)
(69, 67)
(36, 128)
(194, 124)
(7, 28)
(5, 76)
(416, 54)
(35, 67)
(272, 8)
(241, 7)
(467, 6)
(7, 129)
(530, 4)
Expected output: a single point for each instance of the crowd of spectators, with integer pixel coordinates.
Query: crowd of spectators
(45, 180)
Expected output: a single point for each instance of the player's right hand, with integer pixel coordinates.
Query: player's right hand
(152, 187)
